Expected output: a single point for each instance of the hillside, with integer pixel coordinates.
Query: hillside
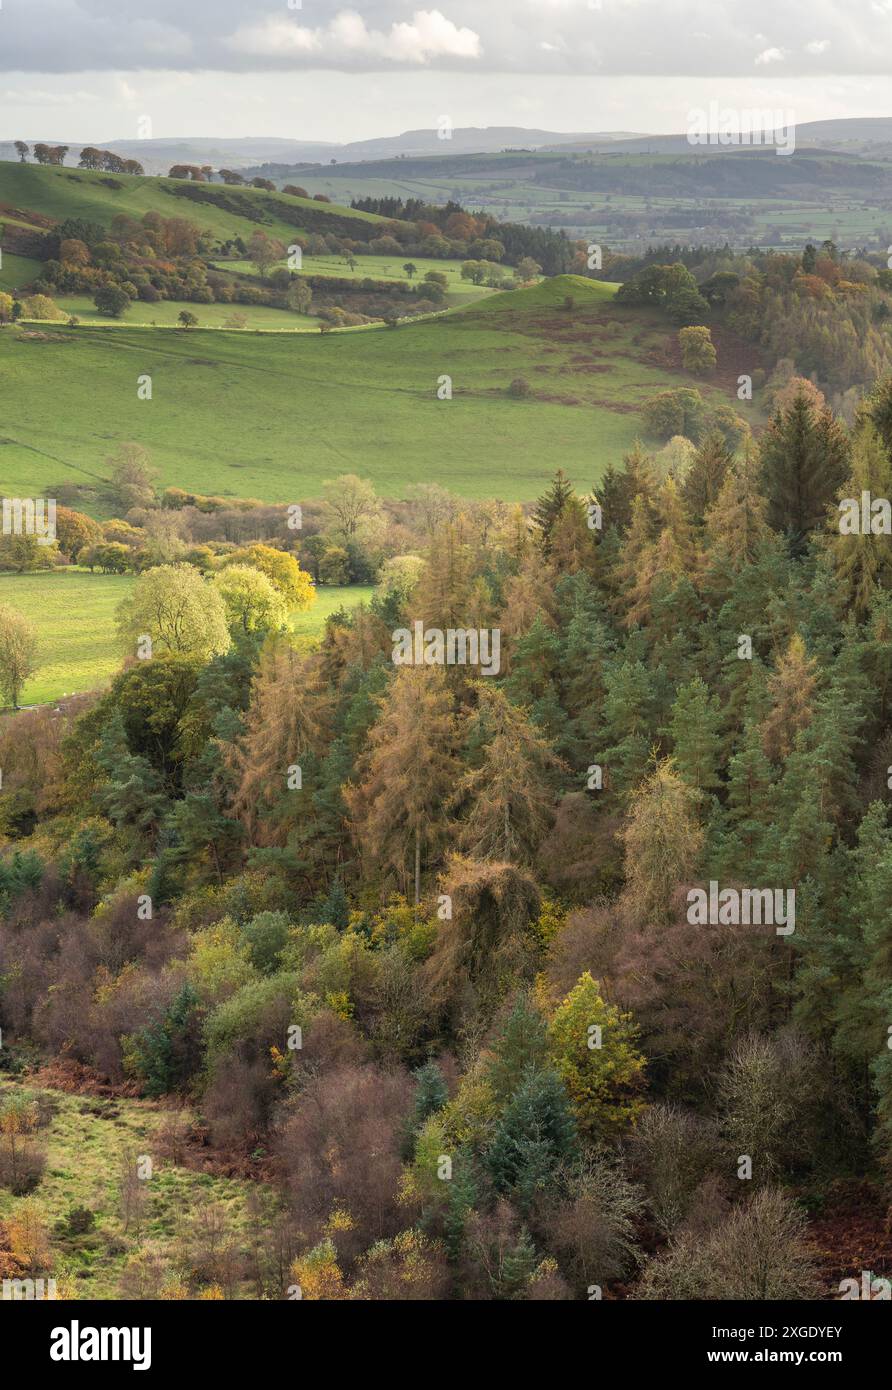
(273, 416)
(60, 193)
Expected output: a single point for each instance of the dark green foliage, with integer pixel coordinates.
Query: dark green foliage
(167, 1053)
(535, 1133)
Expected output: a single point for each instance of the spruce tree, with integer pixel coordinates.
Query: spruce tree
(550, 506)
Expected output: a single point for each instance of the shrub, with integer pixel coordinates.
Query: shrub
(759, 1252)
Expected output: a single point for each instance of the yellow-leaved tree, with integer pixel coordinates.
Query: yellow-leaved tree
(593, 1046)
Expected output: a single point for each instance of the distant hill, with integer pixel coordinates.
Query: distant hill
(865, 135)
(157, 156)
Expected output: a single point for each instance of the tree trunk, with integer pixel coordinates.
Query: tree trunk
(417, 864)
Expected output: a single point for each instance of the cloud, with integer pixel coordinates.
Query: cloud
(607, 38)
(429, 35)
(274, 37)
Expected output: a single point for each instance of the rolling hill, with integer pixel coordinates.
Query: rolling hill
(58, 193)
(273, 416)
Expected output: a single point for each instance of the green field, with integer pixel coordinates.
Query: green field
(273, 416)
(74, 614)
(458, 291)
(166, 313)
(17, 271)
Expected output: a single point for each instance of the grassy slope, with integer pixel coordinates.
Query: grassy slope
(63, 192)
(74, 614)
(17, 271)
(274, 416)
(85, 1140)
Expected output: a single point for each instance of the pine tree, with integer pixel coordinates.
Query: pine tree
(804, 455)
(629, 722)
(695, 729)
(133, 795)
(619, 488)
(550, 506)
(749, 801)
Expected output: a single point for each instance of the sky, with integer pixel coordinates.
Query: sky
(96, 70)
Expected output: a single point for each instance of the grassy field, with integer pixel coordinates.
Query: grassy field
(85, 1139)
(458, 291)
(64, 192)
(166, 313)
(273, 416)
(74, 614)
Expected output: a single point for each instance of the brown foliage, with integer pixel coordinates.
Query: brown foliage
(340, 1150)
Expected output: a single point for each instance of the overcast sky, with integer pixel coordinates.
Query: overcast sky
(320, 70)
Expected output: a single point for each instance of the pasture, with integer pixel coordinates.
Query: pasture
(274, 415)
(73, 612)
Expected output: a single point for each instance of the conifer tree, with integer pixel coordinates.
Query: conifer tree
(522, 1044)
(409, 775)
(804, 455)
(791, 690)
(662, 840)
(695, 729)
(285, 727)
(736, 523)
(549, 507)
(510, 792)
(863, 560)
(535, 1134)
(706, 475)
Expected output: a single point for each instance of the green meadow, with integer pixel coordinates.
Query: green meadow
(73, 612)
(166, 315)
(458, 291)
(274, 415)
